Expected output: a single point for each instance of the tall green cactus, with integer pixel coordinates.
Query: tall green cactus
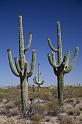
(38, 81)
(61, 67)
(21, 65)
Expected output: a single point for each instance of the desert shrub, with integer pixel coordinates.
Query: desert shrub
(17, 102)
(1, 94)
(74, 111)
(64, 119)
(44, 93)
(42, 108)
(47, 119)
(37, 118)
(80, 118)
(4, 111)
(10, 94)
(1, 97)
(70, 101)
(70, 112)
(9, 105)
(45, 96)
(13, 112)
(53, 108)
(80, 107)
(73, 92)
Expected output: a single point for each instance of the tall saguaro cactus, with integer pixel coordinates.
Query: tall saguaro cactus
(38, 81)
(21, 64)
(61, 67)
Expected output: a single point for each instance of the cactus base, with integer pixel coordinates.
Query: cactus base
(24, 92)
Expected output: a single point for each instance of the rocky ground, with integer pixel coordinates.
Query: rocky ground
(45, 108)
(10, 114)
(71, 113)
(16, 120)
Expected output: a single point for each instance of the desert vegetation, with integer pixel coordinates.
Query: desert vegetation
(26, 104)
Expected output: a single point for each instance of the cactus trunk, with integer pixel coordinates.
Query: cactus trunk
(38, 89)
(24, 92)
(39, 73)
(60, 80)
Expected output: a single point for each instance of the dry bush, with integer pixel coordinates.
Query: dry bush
(80, 107)
(67, 107)
(17, 102)
(14, 120)
(44, 93)
(53, 108)
(1, 97)
(73, 111)
(65, 119)
(36, 118)
(73, 92)
(80, 117)
(42, 108)
(9, 105)
(10, 94)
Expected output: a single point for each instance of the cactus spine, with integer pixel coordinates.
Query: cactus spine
(62, 67)
(21, 65)
(38, 81)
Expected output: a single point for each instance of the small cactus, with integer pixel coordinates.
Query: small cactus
(62, 67)
(38, 81)
(21, 65)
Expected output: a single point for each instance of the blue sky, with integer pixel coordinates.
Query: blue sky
(39, 17)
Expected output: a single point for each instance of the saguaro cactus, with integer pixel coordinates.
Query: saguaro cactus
(38, 81)
(62, 67)
(21, 65)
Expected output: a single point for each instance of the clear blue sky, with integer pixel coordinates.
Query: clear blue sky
(39, 17)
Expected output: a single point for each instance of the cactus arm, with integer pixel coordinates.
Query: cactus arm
(64, 63)
(33, 62)
(35, 81)
(42, 83)
(11, 63)
(70, 66)
(51, 61)
(54, 61)
(66, 58)
(29, 74)
(53, 57)
(17, 65)
(51, 46)
(29, 42)
(25, 69)
(38, 83)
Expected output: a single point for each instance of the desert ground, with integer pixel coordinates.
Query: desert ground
(43, 106)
